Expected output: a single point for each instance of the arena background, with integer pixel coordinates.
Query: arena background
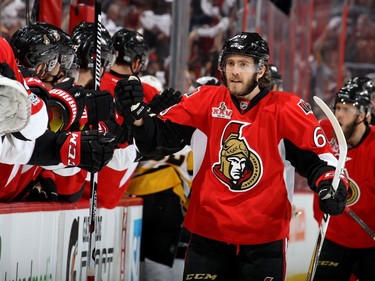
(316, 44)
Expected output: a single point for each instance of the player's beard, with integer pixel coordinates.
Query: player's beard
(246, 89)
(349, 129)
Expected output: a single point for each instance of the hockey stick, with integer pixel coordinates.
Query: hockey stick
(94, 176)
(343, 149)
(361, 223)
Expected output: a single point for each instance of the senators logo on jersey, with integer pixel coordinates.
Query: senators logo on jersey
(354, 193)
(239, 167)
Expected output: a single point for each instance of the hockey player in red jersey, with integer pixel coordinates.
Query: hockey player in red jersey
(164, 185)
(74, 104)
(246, 141)
(347, 246)
(132, 57)
(35, 145)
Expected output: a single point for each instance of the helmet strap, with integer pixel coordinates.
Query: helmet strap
(135, 63)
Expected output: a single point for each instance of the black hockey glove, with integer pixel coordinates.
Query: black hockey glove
(165, 100)
(330, 202)
(100, 106)
(120, 133)
(89, 150)
(43, 189)
(129, 99)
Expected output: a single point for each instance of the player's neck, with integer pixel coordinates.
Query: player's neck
(85, 77)
(251, 95)
(122, 69)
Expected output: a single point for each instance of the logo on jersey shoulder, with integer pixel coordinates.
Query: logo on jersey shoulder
(222, 111)
(34, 99)
(305, 107)
(239, 167)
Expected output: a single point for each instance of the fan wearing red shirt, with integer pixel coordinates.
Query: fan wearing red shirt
(247, 142)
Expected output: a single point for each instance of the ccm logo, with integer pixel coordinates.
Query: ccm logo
(72, 150)
(201, 276)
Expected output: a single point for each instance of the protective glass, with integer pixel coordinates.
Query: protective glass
(144, 62)
(52, 62)
(66, 60)
(240, 65)
(108, 60)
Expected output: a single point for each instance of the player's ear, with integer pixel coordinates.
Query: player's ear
(136, 64)
(361, 117)
(261, 72)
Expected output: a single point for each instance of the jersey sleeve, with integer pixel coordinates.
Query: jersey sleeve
(310, 153)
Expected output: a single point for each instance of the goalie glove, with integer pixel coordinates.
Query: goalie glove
(330, 202)
(129, 99)
(89, 150)
(14, 106)
(165, 100)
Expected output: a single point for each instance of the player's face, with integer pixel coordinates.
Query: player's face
(239, 71)
(347, 115)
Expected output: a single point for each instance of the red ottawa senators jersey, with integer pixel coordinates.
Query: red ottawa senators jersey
(243, 175)
(360, 171)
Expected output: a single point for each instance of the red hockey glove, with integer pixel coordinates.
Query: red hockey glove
(62, 110)
(330, 202)
(76, 91)
(89, 150)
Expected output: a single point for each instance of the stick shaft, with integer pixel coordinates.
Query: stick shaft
(335, 182)
(94, 176)
(361, 223)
